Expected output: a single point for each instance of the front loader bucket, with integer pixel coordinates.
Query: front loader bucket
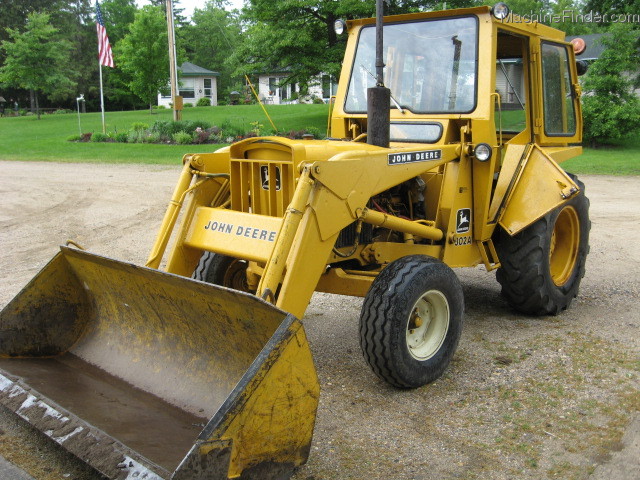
(143, 374)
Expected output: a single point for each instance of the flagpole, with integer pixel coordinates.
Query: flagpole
(104, 127)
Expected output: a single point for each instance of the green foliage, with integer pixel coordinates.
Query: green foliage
(74, 138)
(118, 15)
(187, 105)
(297, 36)
(182, 138)
(37, 58)
(144, 54)
(203, 102)
(610, 108)
(139, 126)
(121, 137)
(211, 38)
(99, 137)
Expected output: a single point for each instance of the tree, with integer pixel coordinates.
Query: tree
(297, 36)
(610, 107)
(212, 39)
(144, 54)
(37, 59)
(118, 16)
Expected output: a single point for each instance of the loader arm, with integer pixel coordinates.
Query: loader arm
(335, 194)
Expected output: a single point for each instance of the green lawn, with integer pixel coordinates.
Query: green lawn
(27, 138)
(622, 158)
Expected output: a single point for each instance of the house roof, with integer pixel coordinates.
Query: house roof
(594, 47)
(189, 69)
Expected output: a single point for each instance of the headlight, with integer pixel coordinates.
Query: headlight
(482, 152)
(500, 10)
(339, 26)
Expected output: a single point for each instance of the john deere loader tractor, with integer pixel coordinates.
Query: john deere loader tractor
(445, 145)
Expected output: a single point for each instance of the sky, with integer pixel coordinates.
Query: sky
(190, 5)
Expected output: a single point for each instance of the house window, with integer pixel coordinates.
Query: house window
(187, 89)
(273, 85)
(329, 86)
(207, 87)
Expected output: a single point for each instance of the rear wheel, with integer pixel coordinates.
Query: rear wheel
(223, 270)
(542, 266)
(411, 321)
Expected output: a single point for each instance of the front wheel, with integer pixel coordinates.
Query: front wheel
(411, 321)
(223, 270)
(542, 266)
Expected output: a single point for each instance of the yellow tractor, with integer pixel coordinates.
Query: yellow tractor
(444, 151)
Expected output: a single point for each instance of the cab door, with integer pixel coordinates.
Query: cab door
(558, 118)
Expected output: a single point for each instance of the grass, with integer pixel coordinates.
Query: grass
(27, 138)
(619, 158)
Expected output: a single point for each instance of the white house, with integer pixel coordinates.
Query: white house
(195, 83)
(271, 91)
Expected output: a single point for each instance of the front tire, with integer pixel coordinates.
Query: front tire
(542, 266)
(411, 321)
(223, 270)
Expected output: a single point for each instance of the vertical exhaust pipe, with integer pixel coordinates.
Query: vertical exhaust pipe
(378, 97)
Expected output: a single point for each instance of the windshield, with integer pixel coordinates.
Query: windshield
(430, 66)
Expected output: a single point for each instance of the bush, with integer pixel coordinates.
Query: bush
(187, 105)
(99, 137)
(74, 138)
(182, 138)
(204, 102)
(139, 126)
(167, 129)
(151, 138)
(121, 137)
(134, 137)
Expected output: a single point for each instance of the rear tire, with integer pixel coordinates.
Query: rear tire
(411, 321)
(542, 266)
(222, 270)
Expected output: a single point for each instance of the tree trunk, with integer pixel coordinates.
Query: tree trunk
(37, 104)
(32, 101)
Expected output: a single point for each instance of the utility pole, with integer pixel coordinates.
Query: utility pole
(173, 67)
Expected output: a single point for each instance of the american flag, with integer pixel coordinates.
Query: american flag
(104, 49)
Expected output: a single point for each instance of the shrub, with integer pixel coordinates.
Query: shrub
(167, 129)
(182, 138)
(74, 138)
(134, 137)
(99, 137)
(151, 138)
(121, 137)
(139, 126)
(204, 102)
(187, 105)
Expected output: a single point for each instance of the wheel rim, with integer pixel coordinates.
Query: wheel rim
(563, 251)
(428, 325)
(236, 276)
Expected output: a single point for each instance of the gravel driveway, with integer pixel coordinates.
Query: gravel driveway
(525, 397)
